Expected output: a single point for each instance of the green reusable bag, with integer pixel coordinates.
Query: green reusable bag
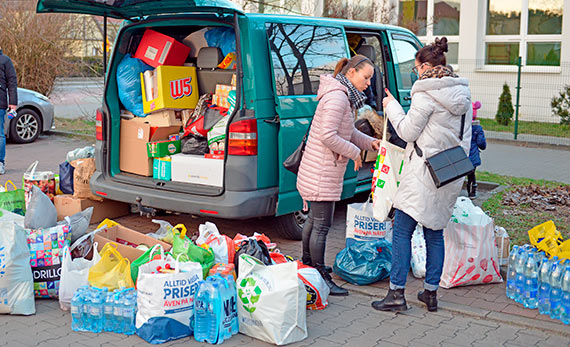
(13, 200)
(143, 259)
(184, 247)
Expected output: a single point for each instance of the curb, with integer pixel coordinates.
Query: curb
(532, 144)
(478, 313)
(69, 133)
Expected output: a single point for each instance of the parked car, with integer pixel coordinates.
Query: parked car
(35, 116)
(279, 60)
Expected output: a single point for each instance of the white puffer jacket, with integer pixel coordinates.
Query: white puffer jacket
(433, 122)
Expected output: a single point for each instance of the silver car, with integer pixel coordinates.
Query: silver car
(35, 116)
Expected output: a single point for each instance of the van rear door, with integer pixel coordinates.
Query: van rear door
(300, 54)
(127, 9)
(404, 48)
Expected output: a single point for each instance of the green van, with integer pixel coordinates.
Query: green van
(279, 61)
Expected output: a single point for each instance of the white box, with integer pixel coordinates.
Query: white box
(197, 169)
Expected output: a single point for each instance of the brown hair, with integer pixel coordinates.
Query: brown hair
(355, 62)
(434, 53)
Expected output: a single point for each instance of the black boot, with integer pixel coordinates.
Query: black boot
(334, 289)
(429, 297)
(394, 301)
(309, 263)
(473, 191)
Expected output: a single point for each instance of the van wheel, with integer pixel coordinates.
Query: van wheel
(290, 226)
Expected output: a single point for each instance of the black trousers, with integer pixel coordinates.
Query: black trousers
(471, 181)
(315, 232)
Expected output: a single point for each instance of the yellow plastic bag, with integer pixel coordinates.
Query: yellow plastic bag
(545, 237)
(113, 271)
(108, 223)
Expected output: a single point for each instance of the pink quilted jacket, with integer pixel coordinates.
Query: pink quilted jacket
(333, 140)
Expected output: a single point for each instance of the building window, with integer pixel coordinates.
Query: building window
(429, 19)
(534, 25)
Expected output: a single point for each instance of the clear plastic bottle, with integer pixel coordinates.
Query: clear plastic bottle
(544, 286)
(96, 311)
(233, 301)
(530, 299)
(511, 272)
(205, 328)
(85, 313)
(555, 290)
(109, 305)
(519, 280)
(565, 300)
(129, 313)
(76, 312)
(118, 312)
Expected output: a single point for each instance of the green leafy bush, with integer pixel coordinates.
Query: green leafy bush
(505, 110)
(561, 105)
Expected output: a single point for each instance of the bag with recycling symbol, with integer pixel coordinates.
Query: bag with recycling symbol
(271, 301)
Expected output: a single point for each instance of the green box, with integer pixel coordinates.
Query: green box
(159, 149)
(162, 169)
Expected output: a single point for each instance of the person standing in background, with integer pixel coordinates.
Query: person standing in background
(8, 100)
(478, 143)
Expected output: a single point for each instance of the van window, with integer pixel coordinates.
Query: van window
(405, 56)
(301, 54)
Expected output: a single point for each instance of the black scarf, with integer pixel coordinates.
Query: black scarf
(355, 97)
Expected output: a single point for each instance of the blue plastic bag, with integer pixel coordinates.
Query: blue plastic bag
(66, 177)
(364, 262)
(129, 83)
(222, 37)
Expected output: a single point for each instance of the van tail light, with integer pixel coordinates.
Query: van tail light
(243, 137)
(99, 125)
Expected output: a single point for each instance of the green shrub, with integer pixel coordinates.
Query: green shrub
(561, 105)
(505, 110)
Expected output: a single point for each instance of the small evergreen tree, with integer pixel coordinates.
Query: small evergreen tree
(561, 105)
(505, 110)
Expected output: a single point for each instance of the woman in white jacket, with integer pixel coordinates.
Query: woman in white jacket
(433, 122)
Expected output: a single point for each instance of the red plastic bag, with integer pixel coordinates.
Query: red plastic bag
(196, 128)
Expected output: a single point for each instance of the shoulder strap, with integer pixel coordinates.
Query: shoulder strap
(418, 149)
(308, 129)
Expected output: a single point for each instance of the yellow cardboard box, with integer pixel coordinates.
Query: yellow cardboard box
(176, 88)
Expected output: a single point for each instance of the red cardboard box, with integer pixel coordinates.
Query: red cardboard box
(157, 49)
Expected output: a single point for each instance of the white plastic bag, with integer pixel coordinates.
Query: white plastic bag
(166, 300)
(316, 287)
(222, 246)
(271, 301)
(470, 252)
(362, 226)
(74, 273)
(16, 281)
(386, 178)
(419, 256)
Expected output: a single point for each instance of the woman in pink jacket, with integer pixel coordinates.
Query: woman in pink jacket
(333, 140)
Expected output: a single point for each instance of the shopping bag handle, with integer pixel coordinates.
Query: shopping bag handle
(32, 167)
(182, 230)
(12, 183)
(152, 250)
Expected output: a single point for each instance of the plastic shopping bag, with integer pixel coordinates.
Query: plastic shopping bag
(66, 177)
(45, 180)
(16, 280)
(364, 262)
(221, 245)
(74, 274)
(13, 200)
(271, 302)
(46, 251)
(129, 83)
(386, 178)
(113, 271)
(362, 226)
(470, 252)
(156, 252)
(166, 300)
(184, 248)
(419, 254)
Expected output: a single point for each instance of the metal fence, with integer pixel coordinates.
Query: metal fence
(533, 86)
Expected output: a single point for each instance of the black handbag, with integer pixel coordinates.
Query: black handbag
(293, 161)
(450, 164)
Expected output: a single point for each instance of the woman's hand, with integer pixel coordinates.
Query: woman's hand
(376, 145)
(358, 164)
(389, 97)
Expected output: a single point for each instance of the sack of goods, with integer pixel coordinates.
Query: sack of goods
(271, 302)
(74, 274)
(470, 251)
(419, 254)
(165, 298)
(222, 246)
(362, 226)
(364, 262)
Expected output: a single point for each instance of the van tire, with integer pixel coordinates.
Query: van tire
(290, 226)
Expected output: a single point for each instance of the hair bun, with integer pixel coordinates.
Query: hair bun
(441, 45)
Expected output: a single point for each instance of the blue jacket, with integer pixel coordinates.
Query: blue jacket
(478, 143)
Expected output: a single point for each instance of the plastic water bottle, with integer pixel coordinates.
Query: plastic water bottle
(233, 292)
(206, 327)
(565, 301)
(76, 312)
(530, 299)
(109, 306)
(519, 280)
(96, 311)
(544, 287)
(12, 114)
(129, 312)
(555, 290)
(85, 312)
(118, 312)
(511, 272)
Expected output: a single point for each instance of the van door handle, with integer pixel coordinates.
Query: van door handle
(407, 98)
(272, 121)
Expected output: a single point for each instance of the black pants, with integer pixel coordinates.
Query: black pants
(315, 232)
(471, 181)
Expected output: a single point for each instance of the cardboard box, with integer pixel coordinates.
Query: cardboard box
(127, 239)
(197, 169)
(67, 205)
(163, 118)
(220, 97)
(176, 88)
(135, 135)
(162, 169)
(157, 49)
(186, 114)
(233, 83)
(505, 242)
(159, 149)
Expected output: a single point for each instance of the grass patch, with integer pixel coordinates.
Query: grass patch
(79, 125)
(531, 128)
(518, 220)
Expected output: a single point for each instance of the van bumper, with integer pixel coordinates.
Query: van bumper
(229, 205)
